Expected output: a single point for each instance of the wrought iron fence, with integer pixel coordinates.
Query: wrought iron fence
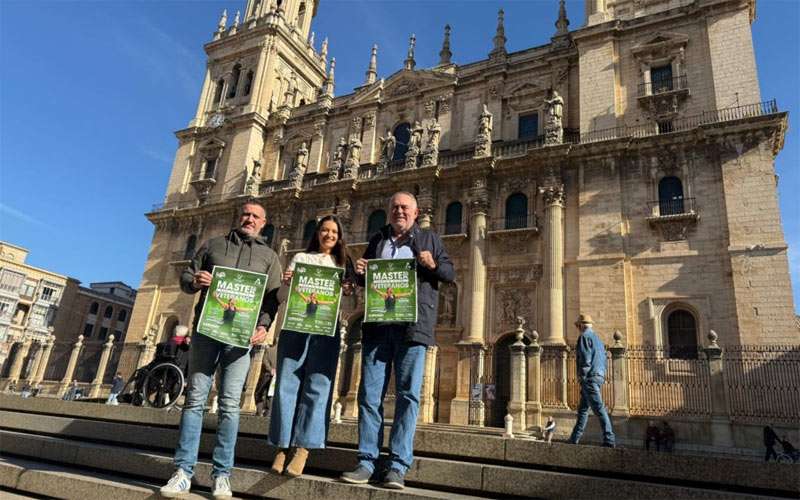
(526, 221)
(552, 370)
(59, 358)
(763, 383)
(574, 386)
(660, 386)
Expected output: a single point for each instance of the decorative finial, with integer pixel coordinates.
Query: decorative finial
(445, 55)
(323, 50)
(223, 21)
(409, 62)
(499, 40)
(519, 332)
(534, 337)
(311, 39)
(372, 70)
(562, 24)
(617, 338)
(329, 82)
(236, 19)
(712, 338)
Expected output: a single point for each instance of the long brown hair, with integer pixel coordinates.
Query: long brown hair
(339, 250)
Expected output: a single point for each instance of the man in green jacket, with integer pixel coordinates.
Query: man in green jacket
(242, 248)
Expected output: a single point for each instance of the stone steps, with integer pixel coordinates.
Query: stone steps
(470, 463)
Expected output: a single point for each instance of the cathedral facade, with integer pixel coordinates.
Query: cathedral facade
(624, 170)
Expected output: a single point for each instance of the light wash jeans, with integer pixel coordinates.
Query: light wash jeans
(591, 397)
(112, 399)
(379, 356)
(306, 367)
(205, 355)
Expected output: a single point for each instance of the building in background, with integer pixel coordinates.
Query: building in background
(625, 169)
(30, 299)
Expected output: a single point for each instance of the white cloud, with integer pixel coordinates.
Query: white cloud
(21, 216)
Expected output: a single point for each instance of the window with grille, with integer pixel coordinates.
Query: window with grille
(682, 335)
(528, 126)
(516, 211)
(452, 222)
(661, 78)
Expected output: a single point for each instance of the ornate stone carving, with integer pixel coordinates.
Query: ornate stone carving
(338, 160)
(483, 142)
(369, 120)
(448, 304)
(414, 146)
(431, 155)
(388, 145)
(430, 108)
(319, 128)
(353, 159)
(553, 195)
(253, 180)
(553, 128)
(299, 168)
(511, 303)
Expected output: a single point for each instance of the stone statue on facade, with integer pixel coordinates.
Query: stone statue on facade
(553, 128)
(299, 168)
(388, 145)
(431, 155)
(338, 160)
(447, 304)
(251, 186)
(353, 159)
(414, 145)
(483, 142)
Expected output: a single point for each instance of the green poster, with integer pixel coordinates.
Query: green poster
(314, 297)
(232, 306)
(391, 286)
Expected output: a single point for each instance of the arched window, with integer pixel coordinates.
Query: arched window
(122, 316)
(237, 71)
(301, 16)
(452, 218)
(682, 334)
(218, 91)
(670, 196)
(516, 211)
(191, 243)
(94, 308)
(108, 312)
(248, 83)
(268, 233)
(308, 231)
(376, 221)
(402, 133)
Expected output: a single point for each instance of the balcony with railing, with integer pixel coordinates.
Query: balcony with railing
(673, 217)
(452, 229)
(663, 85)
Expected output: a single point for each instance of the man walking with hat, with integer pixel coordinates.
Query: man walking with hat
(591, 364)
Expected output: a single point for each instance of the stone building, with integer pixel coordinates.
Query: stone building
(96, 311)
(30, 297)
(625, 169)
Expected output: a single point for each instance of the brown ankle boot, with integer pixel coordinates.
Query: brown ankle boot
(280, 461)
(298, 462)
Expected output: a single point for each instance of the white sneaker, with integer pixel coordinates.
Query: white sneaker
(222, 487)
(178, 485)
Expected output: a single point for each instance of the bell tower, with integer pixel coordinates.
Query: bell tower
(257, 61)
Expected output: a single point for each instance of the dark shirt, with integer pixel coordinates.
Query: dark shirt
(228, 315)
(389, 303)
(311, 309)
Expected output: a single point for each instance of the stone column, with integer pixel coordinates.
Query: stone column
(619, 367)
(248, 404)
(97, 383)
(73, 361)
(517, 397)
(428, 379)
(554, 265)
(721, 432)
(45, 359)
(33, 364)
(533, 407)
(472, 339)
(340, 365)
(425, 204)
(19, 358)
(351, 400)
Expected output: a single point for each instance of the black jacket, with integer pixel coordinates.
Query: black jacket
(232, 250)
(427, 282)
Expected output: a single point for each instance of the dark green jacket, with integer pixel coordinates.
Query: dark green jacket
(247, 254)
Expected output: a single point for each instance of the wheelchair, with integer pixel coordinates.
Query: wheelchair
(160, 383)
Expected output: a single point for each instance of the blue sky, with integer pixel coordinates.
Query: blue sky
(91, 92)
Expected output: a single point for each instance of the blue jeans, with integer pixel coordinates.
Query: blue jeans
(591, 397)
(306, 367)
(379, 356)
(205, 356)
